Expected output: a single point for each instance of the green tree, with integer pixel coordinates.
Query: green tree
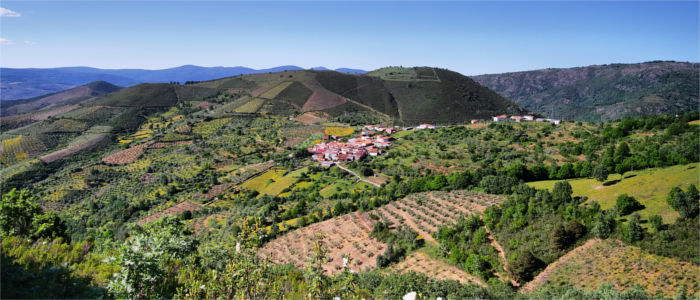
(146, 257)
(562, 193)
(17, 212)
(524, 266)
(48, 225)
(656, 222)
(559, 238)
(626, 204)
(633, 230)
(687, 203)
(314, 274)
(604, 224)
(600, 173)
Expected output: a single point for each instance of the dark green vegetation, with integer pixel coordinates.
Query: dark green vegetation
(450, 98)
(227, 159)
(605, 92)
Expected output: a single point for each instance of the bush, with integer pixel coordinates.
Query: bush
(626, 204)
(685, 202)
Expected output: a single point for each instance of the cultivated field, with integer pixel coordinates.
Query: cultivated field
(173, 210)
(347, 234)
(421, 263)
(608, 261)
(125, 156)
(321, 98)
(88, 140)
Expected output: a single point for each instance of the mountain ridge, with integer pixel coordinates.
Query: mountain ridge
(602, 92)
(22, 83)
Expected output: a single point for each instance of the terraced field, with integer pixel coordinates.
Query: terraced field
(19, 148)
(125, 156)
(609, 261)
(421, 263)
(347, 234)
(251, 106)
(173, 210)
(87, 140)
(273, 92)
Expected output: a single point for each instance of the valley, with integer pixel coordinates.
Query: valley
(299, 178)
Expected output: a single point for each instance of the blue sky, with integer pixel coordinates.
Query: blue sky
(468, 37)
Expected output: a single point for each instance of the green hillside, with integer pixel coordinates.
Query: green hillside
(650, 187)
(604, 92)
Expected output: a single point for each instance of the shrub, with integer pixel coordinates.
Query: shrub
(626, 204)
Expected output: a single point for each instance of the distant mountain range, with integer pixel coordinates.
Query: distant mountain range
(400, 95)
(603, 92)
(32, 82)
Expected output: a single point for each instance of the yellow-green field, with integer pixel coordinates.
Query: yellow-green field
(649, 186)
(696, 122)
(270, 183)
(273, 92)
(251, 106)
(609, 261)
(338, 131)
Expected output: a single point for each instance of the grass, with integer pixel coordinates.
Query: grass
(276, 187)
(273, 92)
(251, 106)
(270, 183)
(649, 186)
(297, 173)
(401, 134)
(338, 131)
(696, 122)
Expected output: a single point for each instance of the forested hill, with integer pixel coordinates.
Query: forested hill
(602, 92)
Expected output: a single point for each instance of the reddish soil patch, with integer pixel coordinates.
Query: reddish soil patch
(321, 98)
(173, 210)
(168, 144)
(421, 263)
(204, 104)
(126, 156)
(54, 156)
(310, 118)
(217, 189)
(347, 234)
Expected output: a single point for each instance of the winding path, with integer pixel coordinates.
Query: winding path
(358, 176)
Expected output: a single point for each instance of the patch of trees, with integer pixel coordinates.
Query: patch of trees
(400, 241)
(21, 216)
(466, 244)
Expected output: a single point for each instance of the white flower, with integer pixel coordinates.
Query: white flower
(238, 247)
(201, 287)
(345, 262)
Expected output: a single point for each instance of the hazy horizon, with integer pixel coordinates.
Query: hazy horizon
(468, 37)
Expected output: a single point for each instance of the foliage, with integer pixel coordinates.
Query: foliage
(149, 260)
(687, 203)
(21, 216)
(626, 204)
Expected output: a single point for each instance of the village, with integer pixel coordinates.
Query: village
(375, 138)
(526, 118)
(369, 142)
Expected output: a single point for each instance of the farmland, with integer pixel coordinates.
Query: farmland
(609, 261)
(452, 207)
(344, 235)
(349, 234)
(125, 156)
